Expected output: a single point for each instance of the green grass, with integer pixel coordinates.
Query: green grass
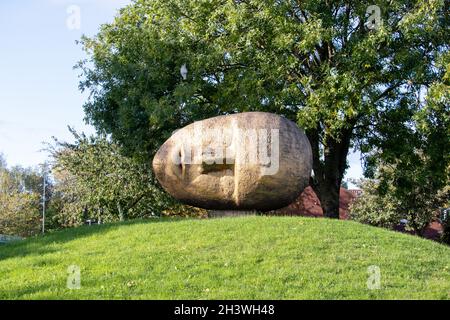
(229, 258)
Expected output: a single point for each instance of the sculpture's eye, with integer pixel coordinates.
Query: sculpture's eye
(180, 163)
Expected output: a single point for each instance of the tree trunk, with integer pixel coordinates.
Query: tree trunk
(329, 200)
(329, 171)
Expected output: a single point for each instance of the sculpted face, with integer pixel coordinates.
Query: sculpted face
(251, 160)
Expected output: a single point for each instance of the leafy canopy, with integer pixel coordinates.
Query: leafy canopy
(315, 62)
(320, 63)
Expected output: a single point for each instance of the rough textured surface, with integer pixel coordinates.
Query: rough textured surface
(245, 161)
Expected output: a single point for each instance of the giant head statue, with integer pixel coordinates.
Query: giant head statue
(245, 161)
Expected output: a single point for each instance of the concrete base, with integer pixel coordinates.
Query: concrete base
(229, 213)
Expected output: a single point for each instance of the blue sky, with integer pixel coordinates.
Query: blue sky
(39, 94)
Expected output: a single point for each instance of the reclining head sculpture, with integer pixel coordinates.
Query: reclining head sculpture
(245, 161)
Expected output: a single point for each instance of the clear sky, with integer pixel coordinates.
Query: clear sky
(39, 94)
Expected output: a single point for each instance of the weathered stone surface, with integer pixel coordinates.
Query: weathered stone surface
(245, 161)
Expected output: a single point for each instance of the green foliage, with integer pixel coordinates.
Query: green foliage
(94, 180)
(371, 208)
(19, 214)
(230, 258)
(20, 201)
(384, 202)
(315, 63)
(416, 137)
(412, 159)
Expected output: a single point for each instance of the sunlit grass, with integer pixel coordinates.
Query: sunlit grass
(230, 258)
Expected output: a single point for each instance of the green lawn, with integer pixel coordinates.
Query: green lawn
(231, 258)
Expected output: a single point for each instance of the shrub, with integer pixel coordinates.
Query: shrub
(19, 201)
(19, 214)
(94, 179)
(381, 204)
(371, 208)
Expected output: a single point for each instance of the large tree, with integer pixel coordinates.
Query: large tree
(410, 164)
(337, 68)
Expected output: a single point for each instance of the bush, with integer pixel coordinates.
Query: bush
(19, 201)
(19, 214)
(371, 208)
(94, 179)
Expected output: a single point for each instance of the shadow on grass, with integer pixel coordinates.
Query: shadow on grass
(44, 244)
(25, 292)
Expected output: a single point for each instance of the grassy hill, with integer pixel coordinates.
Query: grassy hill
(230, 258)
